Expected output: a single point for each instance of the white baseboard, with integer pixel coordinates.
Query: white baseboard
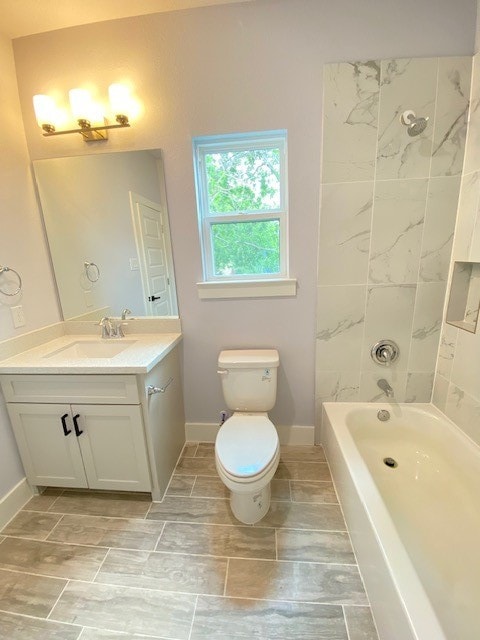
(207, 432)
(15, 499)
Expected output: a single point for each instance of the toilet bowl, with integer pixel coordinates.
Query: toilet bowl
(247, 449)
(247, 453)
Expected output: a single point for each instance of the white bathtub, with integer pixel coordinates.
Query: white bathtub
(415, 528)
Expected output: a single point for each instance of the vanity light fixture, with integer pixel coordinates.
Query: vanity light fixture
(92, 124)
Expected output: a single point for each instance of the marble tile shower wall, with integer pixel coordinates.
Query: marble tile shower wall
(457, 383)
(388, 210)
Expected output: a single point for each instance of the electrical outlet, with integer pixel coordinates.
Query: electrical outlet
(18, 317)
(88, 298)
(133, 264)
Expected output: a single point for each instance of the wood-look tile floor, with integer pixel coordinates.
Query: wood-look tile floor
(79, 565)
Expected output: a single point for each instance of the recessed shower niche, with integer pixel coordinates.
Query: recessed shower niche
(464, 301)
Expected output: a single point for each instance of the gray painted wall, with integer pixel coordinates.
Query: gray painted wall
(232, 68)
(21, 247)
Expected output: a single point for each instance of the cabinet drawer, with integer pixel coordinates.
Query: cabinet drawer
(105, 389)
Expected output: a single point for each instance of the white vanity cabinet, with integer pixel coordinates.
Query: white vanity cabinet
(101, 431)
(95, 446)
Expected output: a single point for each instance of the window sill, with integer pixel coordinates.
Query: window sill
(283, 287)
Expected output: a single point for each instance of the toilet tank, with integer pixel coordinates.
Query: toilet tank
(249, 378)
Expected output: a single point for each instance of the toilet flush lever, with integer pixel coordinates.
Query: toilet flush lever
(222, 372)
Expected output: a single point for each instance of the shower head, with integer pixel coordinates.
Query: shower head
(415, 126)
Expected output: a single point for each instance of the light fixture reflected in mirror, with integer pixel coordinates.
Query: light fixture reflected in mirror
(92, 124)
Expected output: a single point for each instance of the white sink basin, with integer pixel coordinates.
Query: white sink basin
(90, 349)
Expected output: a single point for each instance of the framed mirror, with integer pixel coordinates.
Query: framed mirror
(107, 227)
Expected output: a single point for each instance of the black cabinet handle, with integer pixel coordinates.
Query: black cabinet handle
(78, 431)
(66, 430)
(152, 298)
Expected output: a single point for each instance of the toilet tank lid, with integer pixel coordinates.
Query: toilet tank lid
(252, 358)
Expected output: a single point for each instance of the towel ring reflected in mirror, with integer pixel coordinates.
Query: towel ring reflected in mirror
(92, 271)
(4, 269)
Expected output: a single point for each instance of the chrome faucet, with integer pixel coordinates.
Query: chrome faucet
(385, 387)
(125, 313)
(111, 328)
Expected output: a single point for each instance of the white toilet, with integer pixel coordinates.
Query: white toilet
(247, 449)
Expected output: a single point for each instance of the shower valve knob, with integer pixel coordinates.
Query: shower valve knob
(385, 352)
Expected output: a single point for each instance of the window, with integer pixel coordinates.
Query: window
(241, 183)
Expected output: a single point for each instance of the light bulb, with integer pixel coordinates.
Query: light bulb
(81, 105)
(45, 112)
(120, 100)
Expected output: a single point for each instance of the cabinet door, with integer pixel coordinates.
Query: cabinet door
(113, 447)
(50, 457)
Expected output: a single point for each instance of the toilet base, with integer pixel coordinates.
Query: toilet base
(249, 508)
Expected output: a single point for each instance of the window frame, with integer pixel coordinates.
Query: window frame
(205, 145)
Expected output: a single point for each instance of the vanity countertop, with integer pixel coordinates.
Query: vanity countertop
(139, 354)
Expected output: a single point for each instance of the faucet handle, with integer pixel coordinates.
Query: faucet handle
(106, 325)
(385, 352)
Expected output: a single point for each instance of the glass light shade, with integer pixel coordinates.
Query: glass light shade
(119, 99)
(81, 104)
(45, 109)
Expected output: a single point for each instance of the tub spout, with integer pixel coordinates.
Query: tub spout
(386, 388)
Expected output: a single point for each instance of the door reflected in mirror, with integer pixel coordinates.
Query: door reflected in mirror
(108, 232)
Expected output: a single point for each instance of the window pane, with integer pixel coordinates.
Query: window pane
(239, 181)
(246, 248)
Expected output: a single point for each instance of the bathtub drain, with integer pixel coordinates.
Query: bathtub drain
(390, 462)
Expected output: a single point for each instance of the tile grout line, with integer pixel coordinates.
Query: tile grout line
(101, 565)
(53, 529)
(226, 578)
(345, 622)
(193, 617)
(193, 485)
(57, 600)
(159, 536)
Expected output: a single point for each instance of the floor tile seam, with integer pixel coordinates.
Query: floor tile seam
(32, 573)
(86, 626)
(72, 544)
(193, 486)
(296, 561)
(101, 565)
(280, 600)
(32, 617)
(158, 538)
(253, 527)
(116, 585)
(87, 515)
(312, 481)
(54, 527)
(57, 600)
(86, 544)
(227, 556)
(90, 515)
(222, 524)
(193, 594)
(54, 502)
(317, 502)
(226, 577)
(301, 460)
(69, 581)
(345, 622)
(193, 617)
(219, 556)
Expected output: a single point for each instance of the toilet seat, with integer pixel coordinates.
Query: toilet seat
(247, 447)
